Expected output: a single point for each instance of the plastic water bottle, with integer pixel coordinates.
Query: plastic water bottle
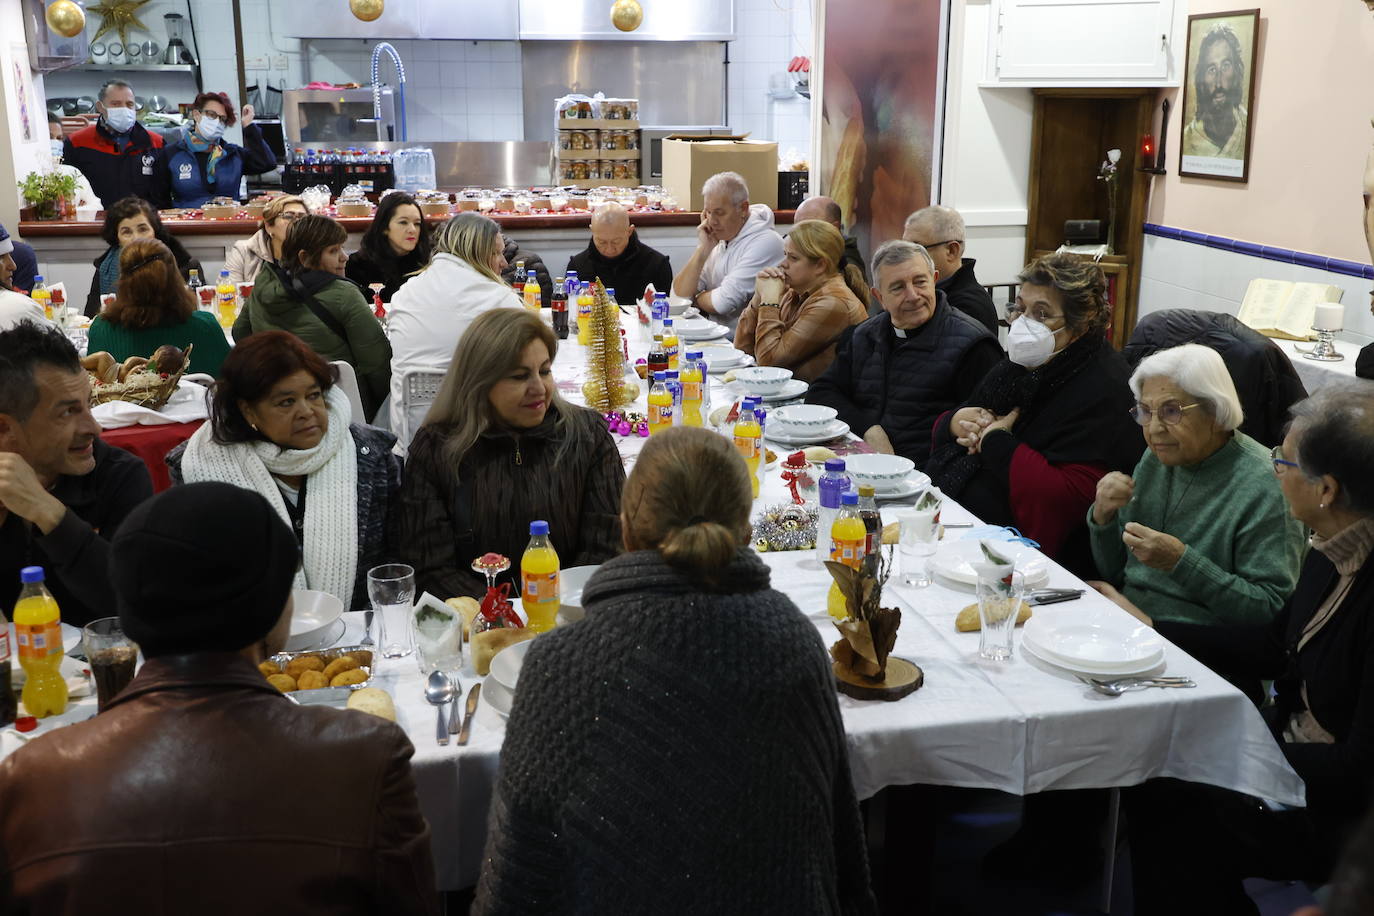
(656, 316)
(675, 389)
(571, 286)
(833, 484)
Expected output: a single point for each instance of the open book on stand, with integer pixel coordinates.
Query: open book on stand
(1278, 308)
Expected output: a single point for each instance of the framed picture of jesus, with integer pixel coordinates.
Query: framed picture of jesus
(1219, 95)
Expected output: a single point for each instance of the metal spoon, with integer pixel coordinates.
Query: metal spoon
(1118, 687)
(439, 691)
(367, 629)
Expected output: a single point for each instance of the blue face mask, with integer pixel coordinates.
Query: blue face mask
(56, 147)
(211, 129)
(120, 120)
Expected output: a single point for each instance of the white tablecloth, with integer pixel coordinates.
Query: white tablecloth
(1319, 373)
(1017, 726)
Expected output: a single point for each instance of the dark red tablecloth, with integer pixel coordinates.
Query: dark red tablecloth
(151, 444)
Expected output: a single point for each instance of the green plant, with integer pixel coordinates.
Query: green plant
(45, 187)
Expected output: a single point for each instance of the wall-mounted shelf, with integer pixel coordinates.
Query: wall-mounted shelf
(137, 68)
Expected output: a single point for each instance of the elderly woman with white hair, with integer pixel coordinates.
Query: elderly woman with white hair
(1200, 532)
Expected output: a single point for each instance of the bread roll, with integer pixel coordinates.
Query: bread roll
(469, 608)
(969, 622)
(373, 701)
(818, 453)
(487, 643)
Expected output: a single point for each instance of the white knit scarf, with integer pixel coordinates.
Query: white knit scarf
(331, 505)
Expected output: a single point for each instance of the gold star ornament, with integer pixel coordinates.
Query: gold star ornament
(118, 16)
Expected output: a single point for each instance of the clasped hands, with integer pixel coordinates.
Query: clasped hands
(970, 425)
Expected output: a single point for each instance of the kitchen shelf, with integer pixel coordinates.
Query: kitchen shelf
(597, 124)
(137, 68)
(598, 154)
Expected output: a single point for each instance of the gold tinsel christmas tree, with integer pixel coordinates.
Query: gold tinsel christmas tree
(605, 388)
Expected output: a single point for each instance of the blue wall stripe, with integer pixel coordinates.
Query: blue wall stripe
(1286, 255)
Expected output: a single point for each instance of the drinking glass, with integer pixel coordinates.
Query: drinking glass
(391, 588)
(112, 656)
(920, 533)
(999, 602)
(438, 639)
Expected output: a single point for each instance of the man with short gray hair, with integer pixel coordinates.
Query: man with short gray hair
(940, 230)
(734, 242)
(917, 358)
(116, 154)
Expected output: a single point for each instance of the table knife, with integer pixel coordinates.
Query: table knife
(467, 717)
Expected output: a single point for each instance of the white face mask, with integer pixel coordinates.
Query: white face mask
(120, 120)
(1030, 343)
(210, 128)
(56, 147)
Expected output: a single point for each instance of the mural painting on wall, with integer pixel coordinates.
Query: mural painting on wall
(880, 106)
(1219, 95)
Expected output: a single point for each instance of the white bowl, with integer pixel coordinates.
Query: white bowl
(763, 379)
(506, 664)
(312, 613)
(877, 471)
(804, 416)
(571, 582)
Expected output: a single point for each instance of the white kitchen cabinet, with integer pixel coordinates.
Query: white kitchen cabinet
(1085, 42)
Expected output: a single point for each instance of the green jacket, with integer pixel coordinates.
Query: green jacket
(275, 307)
(1243, 549)
(201, 329)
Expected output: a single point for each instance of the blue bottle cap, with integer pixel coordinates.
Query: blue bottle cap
(610, 292)
(694, 354)
(849, 498)
(31, 574)
(660, 376)
(834, 464)
(537, 528)
(667, 322)
(672, 374)
(658, 295)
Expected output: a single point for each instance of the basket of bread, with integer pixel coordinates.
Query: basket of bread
(145, 381)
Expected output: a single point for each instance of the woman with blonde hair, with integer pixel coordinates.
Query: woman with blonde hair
(154, 306)
(500, 449)
(431, 312)
(248, 255)
(678, 629)
(801, 307)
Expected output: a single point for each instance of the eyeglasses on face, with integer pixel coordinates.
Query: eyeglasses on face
(1280, 462)
(1016, 309)
(1170, 413)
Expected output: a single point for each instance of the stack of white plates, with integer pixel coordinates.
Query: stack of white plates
(956, 562)
(793, 437)
(721, 357)
(794, 389)
(1096, 644)
(699, 329)
(499, 688)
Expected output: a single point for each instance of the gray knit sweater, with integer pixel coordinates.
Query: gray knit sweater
(678, 751)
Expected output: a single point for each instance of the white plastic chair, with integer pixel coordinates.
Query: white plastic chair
(419, 388)
(348, 381)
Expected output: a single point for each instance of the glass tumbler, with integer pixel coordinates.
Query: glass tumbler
(391, 588)
(999, 603)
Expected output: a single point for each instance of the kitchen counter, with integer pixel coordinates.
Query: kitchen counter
(66, 250)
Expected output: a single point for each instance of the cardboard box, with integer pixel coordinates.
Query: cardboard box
(688, 161)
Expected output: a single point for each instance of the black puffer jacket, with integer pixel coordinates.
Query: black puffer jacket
(1265, 380)
(903, 384)
(534, 264)
(379, 492)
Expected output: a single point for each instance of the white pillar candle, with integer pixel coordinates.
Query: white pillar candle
(1330, 317)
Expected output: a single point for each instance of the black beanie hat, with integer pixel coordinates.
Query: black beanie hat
(202, 567)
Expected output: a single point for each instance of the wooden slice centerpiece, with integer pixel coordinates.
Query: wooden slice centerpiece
(900, 678)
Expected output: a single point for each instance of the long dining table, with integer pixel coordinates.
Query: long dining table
(1020, 726)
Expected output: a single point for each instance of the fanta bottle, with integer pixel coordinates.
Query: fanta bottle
(224, 296)
(539, 580)
(660, 404)
(38, 624)
(847, 537)
(749, 443)
(692, 383)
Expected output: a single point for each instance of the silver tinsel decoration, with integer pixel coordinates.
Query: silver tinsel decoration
(785, 526)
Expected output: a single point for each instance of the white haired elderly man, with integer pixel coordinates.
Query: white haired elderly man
(940, 230)
(734, 242)
(1199, 533)
(909, 363)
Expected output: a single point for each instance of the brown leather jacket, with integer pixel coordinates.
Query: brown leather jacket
(801, 334)
(201, 789)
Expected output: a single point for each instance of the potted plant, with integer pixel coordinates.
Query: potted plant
(50, 194)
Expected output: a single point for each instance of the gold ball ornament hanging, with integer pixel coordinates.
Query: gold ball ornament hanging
(627, 15)
(366, 10)
(66, 18)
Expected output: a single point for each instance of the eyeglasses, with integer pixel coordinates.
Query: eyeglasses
(290, 215)
(1170, 413)
(938, 244)
(1015, 310)
(1280, 462)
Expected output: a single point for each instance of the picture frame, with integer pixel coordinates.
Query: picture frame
(1219, 95)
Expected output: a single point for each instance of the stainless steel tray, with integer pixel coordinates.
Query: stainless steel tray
(328, 694)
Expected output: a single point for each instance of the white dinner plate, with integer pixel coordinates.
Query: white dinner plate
(716, 369)
(1152, 667)
(724, 356)
(717, 334)
(794, 389)
(914, 483)
(498, 696)
(695, 325)
(506, 664)
(1101, 643)
(955, 561)
(796, 438)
